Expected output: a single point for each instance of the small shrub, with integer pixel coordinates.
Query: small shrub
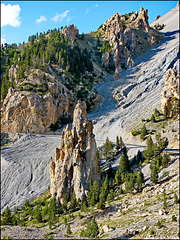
(174, 219)
(68, 231)
(176, 199)
(159, 224)
(152, 232)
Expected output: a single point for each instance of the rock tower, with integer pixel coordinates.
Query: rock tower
(76, 161)
(170, 90)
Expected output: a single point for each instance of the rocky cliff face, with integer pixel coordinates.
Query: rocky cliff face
(76, 161)
(121, 40)
(71, 32)
(29, 111)
(122, 34)
(170, 92)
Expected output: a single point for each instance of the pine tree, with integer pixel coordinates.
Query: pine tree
(94, 228)
(140, 180)
(68, 231)
(118, 176)
(165, 160)
(73, 201)
(139, 159)
(154, 175)
(100, 154)
(117, 143)
(156, 112)
(59, 206)
(64, 205)
(97, 153)
(90, 191)
(7, 220)
(96, 191)
(149, 152)
(45, 210)
(108, 146)
(165, 111)
(124, 163)
(52, 211)
(38, 214)
(105, 187)
(143, 132)
(153, 118)
(121, 143)
(110, 196)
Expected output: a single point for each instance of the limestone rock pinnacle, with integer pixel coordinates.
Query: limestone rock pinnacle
(76, 161)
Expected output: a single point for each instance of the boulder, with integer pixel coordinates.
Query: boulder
(76, 161)
(107, 229)
(116, 75)
(126, 231)
(162, 211)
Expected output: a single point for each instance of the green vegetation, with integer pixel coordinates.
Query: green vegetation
(174, 219)
(106, 47)
(108, 147)
(45, 53)
(153, 154)
(68, 231)
(91, 230)
(143, 132)
(176, 199)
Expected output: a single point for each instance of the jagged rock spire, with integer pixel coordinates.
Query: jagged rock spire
(76, 161)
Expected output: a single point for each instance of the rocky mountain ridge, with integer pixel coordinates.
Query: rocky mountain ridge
(123, 38)
(55, 77)
(131, 215)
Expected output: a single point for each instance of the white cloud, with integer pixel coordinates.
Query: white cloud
(96, 5)
(3, 40)
(68, 19)
(41, 19)
(87, 11)
(60, 17)
(10, 15)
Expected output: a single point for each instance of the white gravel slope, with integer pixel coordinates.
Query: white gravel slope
(25, 168)
(170, 20)
(25, 165)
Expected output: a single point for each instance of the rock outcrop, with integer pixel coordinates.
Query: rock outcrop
(158, 26)
(127, 36)
(142, 19)
(134, 16)
(158, 16)
(121, 40)
(76, 161)
(27, 111)
(170, 92)
(116, 75)
(71, 32)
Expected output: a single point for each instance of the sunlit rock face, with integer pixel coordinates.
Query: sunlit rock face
(170, 91)
(76, 161)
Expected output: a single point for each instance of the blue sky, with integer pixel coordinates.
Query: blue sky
(20, 19)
